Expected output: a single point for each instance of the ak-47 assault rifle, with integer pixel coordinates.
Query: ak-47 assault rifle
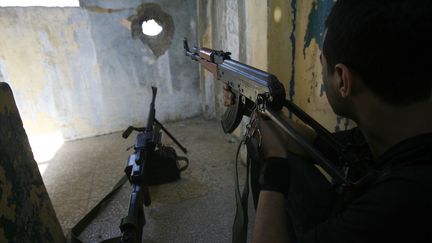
(256, 90)
(151, 164)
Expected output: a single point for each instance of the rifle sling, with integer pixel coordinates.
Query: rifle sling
(85, 221)
(240, 225)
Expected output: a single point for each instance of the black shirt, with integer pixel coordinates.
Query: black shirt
(397, 207)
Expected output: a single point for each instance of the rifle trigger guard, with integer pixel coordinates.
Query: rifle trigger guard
(260, 104)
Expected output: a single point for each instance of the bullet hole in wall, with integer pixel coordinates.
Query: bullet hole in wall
(153, 26)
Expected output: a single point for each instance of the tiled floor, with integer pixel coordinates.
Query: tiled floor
(198, 208)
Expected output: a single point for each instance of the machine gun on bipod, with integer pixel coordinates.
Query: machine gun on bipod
(151, 164)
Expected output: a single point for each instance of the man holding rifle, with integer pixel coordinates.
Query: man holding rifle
(376, 71)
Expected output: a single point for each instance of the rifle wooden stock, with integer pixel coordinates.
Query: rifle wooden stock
(211, 67)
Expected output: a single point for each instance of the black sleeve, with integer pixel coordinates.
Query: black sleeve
(352, 136)
(394, 211)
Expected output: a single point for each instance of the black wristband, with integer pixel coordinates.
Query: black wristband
(274, 175)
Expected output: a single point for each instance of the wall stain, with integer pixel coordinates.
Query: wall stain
(98, 9)
(322, 90)
(315, 27)
(293, 43)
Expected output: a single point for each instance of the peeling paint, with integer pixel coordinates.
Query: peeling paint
(315, 28)
(293, 43)
(305, 86)
(322, 90)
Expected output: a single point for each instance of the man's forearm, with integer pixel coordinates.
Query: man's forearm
(270, 220)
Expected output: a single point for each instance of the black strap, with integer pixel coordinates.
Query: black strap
(112, 240)
(85, 221)
(239, 230)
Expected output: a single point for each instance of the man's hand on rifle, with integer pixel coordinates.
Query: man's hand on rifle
(228, 96)
(275, 143)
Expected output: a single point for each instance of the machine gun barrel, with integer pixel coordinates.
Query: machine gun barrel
(152, 111)
(146, 141)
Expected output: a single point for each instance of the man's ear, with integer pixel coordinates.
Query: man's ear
(344, 80)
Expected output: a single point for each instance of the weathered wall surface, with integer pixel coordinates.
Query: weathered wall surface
(237, 26)
(218, 28)
(78, 72)
(295, 40)
(278, 36)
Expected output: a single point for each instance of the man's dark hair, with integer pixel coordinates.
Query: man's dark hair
(387, 43)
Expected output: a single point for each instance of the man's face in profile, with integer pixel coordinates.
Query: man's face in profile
(331, 81)
(327, 82)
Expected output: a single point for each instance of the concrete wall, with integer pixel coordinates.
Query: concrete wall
(237, 26)
(219, 28)
(279, 36)
(77, 72)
